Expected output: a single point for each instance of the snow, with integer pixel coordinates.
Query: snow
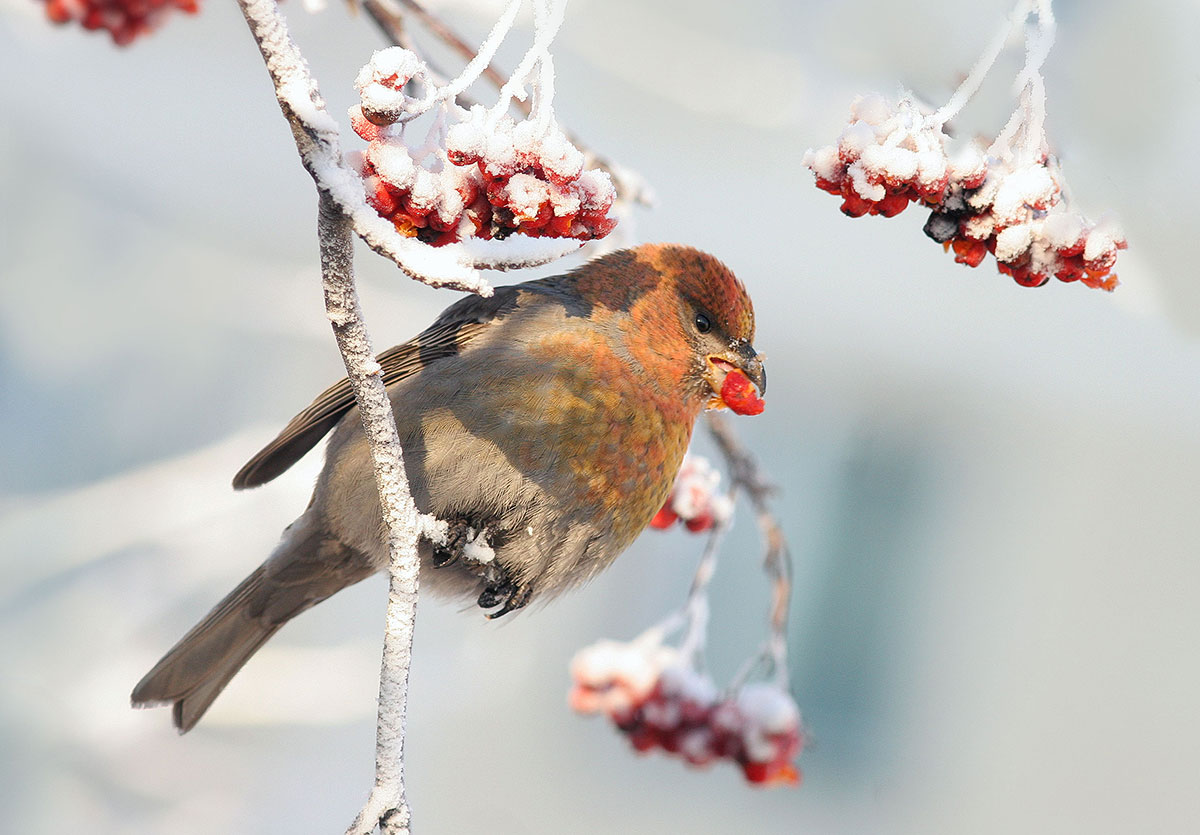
(394, 63)
(695, 491)
(1032, 186)
(1063, 230)
(297, 93)
(514, 252)
(871, 108)
(618, 675)
(1102, 241)
(380, 83)
(768, 710)
(689, 684)
(558, 156)
(1012, 242)
(526, 194)
(823, 162)
(892, 162)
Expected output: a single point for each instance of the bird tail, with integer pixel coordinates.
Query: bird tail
(309, 565)
(196, 669)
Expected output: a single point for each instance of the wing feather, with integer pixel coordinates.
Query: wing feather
(462, 323)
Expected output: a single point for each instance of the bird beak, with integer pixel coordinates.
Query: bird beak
(742, 357)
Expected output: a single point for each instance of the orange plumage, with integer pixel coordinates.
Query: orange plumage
(552, 416)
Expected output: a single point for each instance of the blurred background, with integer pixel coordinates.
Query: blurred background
(991, 492)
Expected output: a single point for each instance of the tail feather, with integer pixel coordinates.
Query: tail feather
(308, 566)
(196, 669)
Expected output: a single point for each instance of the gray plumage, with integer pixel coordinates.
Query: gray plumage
(530, 415)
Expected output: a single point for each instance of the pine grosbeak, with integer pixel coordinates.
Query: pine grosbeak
(552, 416)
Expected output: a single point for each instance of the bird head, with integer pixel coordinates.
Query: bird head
(687, 321)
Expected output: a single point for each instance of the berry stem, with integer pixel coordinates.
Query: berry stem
(745, 472)
(970, 85)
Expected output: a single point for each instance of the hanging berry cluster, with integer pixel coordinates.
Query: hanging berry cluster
(484, 176)
(694, 499)
(1007, 201)
(658, 701)
(124, 20)
(660, 697)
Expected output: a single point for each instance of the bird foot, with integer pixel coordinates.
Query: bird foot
(448, 552)
(506, 594)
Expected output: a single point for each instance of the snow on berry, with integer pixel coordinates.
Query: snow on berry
(1007, 200)
(381, 81)
(479, 175)
(694, 499)
(614, 677)
(124, 20)
(658, 701)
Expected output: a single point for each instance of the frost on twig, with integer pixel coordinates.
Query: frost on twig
(343, 209)
(477, 173)
(1007, 199)
(660, 695)
(317, 139)
(387, 805)
(631, 187)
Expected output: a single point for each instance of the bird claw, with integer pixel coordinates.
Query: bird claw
(507, 594)
(446, 553)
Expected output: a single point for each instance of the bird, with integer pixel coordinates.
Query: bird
(550, 417)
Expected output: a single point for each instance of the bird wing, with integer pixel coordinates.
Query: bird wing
(461, 323)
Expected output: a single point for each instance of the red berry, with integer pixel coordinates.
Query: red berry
(855, 206)
(58, 11)
(380, 197)
(771, 773)
(831, 186)
(974, 180)
(739, 394)
(969, 252)
(702, 522)
(665, 518)
(461, 157)
(932, 193)
(124, 20)
(892, 204)
(1028, 278)
(559, 226)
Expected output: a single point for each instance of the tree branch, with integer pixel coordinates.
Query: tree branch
(630, 185)
(387, 806)
(316, 135)
(745, 473)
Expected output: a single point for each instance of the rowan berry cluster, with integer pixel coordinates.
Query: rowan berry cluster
(487, 176)
(694, 499)
(124, 20)
(1017, 214)
(657, 701)
(893, 155)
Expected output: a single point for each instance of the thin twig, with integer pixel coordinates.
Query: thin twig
(630, 185)
(316, 135)
(744, 472)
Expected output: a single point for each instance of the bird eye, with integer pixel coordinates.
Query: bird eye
(702, 323)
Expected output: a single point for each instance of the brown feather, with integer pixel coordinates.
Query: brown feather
(461, 323)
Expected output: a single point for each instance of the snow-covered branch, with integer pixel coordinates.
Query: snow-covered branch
(317, 139)
(630, 186)
(387, 806)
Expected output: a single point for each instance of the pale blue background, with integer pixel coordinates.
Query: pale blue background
(991, 491)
